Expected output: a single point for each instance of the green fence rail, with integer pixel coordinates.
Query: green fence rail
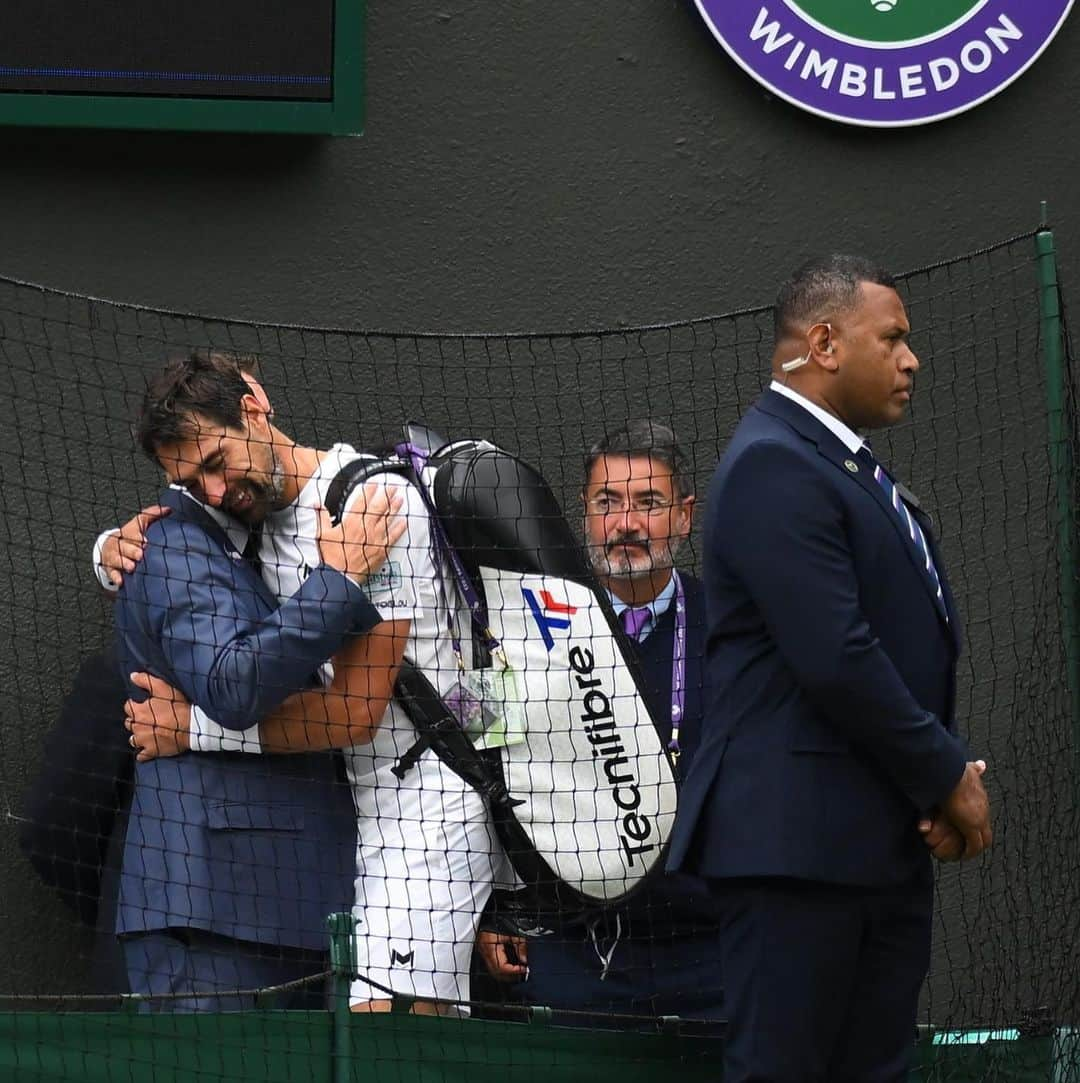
(336, 1046)
(284, 1047)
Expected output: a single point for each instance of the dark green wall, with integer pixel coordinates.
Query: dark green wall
(530, 165)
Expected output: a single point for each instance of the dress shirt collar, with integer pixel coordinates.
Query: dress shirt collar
(657, 607)
(848, 437)
(236, 532)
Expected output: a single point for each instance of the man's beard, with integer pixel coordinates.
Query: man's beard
(252, 500)
(614, 561)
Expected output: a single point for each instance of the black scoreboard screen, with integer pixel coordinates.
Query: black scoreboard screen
(242, 65)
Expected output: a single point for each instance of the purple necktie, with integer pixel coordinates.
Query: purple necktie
(633, 620)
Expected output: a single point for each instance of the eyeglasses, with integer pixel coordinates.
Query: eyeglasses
(606, 505)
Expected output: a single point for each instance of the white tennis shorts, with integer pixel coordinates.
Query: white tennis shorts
(427, 858)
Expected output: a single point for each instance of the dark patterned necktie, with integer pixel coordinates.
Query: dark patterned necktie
(909, 522)
(251, 549)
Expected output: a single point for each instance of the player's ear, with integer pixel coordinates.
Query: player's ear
(255, 403)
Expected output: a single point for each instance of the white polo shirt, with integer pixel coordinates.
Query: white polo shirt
(406, 587)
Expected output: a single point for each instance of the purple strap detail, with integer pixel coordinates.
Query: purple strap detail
(678, 667)
(418, 459)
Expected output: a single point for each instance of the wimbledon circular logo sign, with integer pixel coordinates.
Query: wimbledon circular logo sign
(885, 62)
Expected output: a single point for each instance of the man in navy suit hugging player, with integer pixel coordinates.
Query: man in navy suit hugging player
(830, 768)
(655, 955)
(232, 861)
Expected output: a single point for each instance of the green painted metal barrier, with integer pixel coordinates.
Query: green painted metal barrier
(283, 1047)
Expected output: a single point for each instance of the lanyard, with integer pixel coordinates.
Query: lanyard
(448, 554)
(678, 668)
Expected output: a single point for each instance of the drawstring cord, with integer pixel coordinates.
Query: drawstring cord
(605, 959)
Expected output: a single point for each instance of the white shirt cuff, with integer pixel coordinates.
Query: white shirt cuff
(99, 571)
(205, 735)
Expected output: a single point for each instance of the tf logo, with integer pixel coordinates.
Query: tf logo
(548, 614)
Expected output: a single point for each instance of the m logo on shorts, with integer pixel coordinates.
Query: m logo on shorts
(397, 958)
(885, 63)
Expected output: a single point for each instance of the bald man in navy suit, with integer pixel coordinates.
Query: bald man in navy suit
(830, 767)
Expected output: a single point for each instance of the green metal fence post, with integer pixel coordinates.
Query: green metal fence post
(343, 965)
(1061, 457)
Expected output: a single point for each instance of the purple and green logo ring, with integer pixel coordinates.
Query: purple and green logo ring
(885, 63)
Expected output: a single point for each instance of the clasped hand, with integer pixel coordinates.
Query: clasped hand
(960, 828)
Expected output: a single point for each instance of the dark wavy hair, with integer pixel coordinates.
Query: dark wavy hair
(207, 383)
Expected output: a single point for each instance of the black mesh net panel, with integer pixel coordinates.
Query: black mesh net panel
(1003, 991)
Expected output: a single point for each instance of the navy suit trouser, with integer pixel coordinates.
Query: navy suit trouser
(671, 975)
(196, 971)
(821, 982)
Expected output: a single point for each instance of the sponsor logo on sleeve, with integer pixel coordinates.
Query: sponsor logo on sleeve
(884, 63)
(385, 578)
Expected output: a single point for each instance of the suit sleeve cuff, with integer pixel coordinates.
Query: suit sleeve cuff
(948, 770)
(345, 590)
(99, 572)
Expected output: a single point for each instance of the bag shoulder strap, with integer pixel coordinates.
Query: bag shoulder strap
(438, 727)
(358, 472)
(441, 731)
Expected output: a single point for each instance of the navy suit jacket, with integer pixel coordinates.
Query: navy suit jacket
(252, 847)
(831, 664)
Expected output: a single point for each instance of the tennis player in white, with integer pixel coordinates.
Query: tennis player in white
(427, 855)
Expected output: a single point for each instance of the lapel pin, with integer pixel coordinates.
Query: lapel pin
(852, 465)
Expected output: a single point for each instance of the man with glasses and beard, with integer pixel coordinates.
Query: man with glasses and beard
(654, 955)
